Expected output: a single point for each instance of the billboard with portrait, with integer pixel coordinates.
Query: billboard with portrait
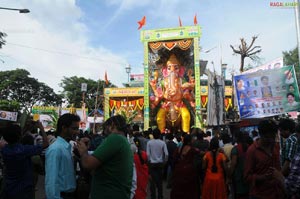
(267, 93)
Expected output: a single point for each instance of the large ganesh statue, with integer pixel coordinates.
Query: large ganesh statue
(173, 94)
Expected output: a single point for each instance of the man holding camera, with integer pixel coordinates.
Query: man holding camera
(18, 174)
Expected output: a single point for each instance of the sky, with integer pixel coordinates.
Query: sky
(85, 38)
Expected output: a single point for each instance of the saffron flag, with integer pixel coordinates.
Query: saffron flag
(105, 78)
(195, 20)
(142, 22)
(180, 24)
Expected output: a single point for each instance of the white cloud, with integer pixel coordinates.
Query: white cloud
(128, 4)
(55, 27)
(58, 26)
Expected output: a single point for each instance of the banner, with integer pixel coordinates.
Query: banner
(6, 115)
(184, 32)
(277, 63)
(124, 92)
(267, 93)
(42, 113)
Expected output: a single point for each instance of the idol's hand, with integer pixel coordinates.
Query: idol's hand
(171, 92)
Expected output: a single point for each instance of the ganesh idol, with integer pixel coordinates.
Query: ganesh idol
(170, 94)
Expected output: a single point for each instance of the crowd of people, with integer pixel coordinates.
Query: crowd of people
(123, 161)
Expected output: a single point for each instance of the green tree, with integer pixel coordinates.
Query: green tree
(54, 116)
(17, 85)
(72, 91)
(129, 117)
(291, 58)
(6, 105)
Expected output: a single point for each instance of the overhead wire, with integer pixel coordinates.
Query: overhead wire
(64, 53)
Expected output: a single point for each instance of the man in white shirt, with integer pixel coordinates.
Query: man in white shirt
(157, 154)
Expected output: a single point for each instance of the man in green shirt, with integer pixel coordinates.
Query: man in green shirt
(112, 162)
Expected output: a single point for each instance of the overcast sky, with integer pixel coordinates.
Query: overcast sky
(86, 37)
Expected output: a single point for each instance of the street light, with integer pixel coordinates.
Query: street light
(128, 69)
(15, 9)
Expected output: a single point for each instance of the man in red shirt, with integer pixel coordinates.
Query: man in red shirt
(261, 161)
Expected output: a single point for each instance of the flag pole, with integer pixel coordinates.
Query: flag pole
(297, 17)
(96, 105)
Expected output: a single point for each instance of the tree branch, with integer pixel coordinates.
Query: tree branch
(253, 48)
(258, 51)
(244, 46)
(252, 42)
(234, 50)
(241, 49)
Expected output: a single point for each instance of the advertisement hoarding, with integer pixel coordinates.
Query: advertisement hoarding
(267, 93)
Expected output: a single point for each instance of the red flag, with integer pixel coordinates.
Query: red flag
(180, 24)
(142, 22)
(105, 78)
(195, 20)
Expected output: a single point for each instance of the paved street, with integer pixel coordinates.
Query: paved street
(40, 193)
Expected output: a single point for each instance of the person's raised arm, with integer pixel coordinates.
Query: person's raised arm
(43, 134)
(87, 161)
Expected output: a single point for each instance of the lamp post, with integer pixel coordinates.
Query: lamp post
(15, 9)
(128, 70)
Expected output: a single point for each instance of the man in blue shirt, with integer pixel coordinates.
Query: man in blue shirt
(18, 173)
(60, 179)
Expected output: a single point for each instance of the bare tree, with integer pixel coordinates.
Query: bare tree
(247, 51)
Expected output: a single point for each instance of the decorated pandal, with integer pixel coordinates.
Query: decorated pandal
(120, 100)
(183, 44)
(127, 100)
(171, 96)
(127, 105)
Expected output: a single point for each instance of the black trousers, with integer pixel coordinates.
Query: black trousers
(28, 193)
(65, 195)
(156, 182)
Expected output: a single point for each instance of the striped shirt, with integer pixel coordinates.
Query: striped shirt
(292, 182)
(291, 147)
